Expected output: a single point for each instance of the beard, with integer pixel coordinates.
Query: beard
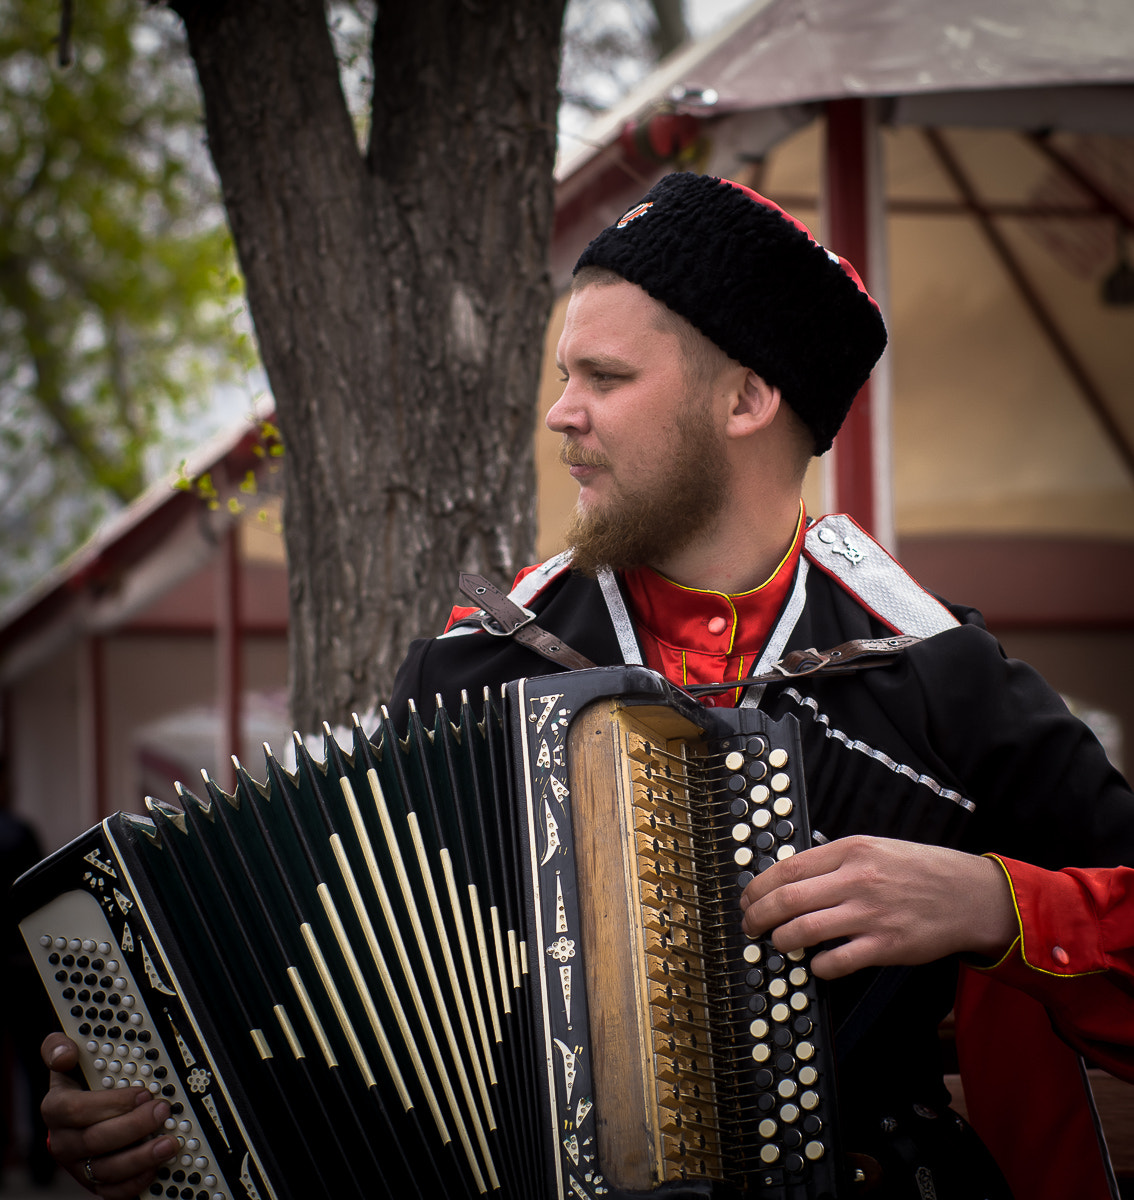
(644, 526)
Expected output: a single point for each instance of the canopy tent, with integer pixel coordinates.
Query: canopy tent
(976, 160)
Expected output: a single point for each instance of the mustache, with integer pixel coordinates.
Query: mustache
(571, 454)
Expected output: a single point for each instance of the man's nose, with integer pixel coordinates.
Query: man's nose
(567, 413)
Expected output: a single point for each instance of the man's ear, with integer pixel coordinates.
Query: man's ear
(753, 406)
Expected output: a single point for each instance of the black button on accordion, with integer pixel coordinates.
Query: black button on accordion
(500, 955)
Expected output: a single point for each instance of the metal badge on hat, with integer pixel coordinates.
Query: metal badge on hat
(636, 211)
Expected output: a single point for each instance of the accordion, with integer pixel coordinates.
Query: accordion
(498, 954)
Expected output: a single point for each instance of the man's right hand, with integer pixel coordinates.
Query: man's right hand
(104, 1139)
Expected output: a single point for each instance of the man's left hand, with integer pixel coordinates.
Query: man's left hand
(884, 902)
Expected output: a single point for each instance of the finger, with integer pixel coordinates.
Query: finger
(68, 1107)
(847, 956)
(807, 864)
(812, 928)
(94, 1132)
(795, 899)
(59, 1052)
(126, 1173)
(128, 1190)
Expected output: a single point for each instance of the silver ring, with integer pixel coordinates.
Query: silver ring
(88, 1171)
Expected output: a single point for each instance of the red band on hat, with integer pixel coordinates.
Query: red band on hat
(846, 266)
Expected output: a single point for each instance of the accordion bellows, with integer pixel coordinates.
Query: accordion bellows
(500, 955)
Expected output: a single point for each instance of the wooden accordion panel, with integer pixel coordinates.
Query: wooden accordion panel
(499, 956)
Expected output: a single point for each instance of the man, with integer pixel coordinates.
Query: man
(710, 348)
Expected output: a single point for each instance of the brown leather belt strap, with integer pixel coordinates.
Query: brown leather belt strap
(850, 656)
(503, 618)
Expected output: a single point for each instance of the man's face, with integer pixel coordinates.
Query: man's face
(643, 440)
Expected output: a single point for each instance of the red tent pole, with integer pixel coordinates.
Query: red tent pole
(859, 483)
(93, 715)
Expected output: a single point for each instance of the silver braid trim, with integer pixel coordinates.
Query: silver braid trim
(778, 638)
(620, 618)
(879, 756)
(837, 545)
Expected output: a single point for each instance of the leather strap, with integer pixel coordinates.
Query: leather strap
(849, 656)
(501, 617)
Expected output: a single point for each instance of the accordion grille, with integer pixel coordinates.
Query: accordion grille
(651, 931)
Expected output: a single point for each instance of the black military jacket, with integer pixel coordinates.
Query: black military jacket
(955, 745)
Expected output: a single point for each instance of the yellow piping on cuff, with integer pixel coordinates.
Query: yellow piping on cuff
(1019, 941)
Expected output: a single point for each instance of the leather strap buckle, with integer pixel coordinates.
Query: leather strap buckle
(848, 656)
(857, 655)
(502, 617)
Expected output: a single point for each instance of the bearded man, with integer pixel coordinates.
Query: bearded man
(710, 348)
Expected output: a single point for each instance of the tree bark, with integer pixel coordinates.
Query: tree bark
(399, 297)
(670, 30)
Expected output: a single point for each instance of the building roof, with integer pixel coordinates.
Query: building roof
(132, 559)
(1035, 64)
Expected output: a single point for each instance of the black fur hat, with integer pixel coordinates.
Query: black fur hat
(752, 280)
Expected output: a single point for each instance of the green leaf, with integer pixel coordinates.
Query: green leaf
(121, 304)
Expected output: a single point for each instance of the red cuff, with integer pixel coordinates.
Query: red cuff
(1060, 931)
(1075, 955)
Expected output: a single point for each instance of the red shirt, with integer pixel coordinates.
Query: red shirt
(692, 636)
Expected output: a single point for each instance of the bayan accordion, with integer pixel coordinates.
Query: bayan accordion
(500, 954)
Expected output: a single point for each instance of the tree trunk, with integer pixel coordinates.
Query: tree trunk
(670, 30)
(399, 299)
